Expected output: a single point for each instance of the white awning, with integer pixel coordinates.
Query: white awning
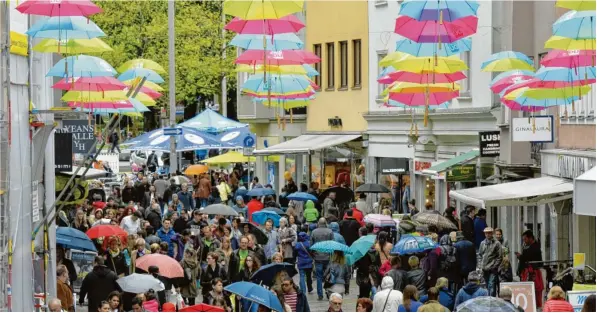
(584, 193)
(306, 144)
(528, 192)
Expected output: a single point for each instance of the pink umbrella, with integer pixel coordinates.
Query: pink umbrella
(284, 57)
(386, 80)
(427, 77)
(506, 82)
(513, 105)
(59, 7)
(289, 96)
(569, 58)
(434, 31)
(102, 105)
(379, 220)
(168, 266)
(537, 83)
(150, 92)
(286, 24)
(420, 99)
(97, 84)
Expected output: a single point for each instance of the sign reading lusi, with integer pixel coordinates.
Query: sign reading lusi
(489, 143)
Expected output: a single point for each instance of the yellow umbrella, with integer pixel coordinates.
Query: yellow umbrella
(94, 96)
(509, 64)
(229, 157)
(578, 5)
(151, 85)
(145, 99)
(277, 69)
(287, 104)
(72, 46)
(409, 63)
(141, 63)
(262, 9)
(565, 43)
(549, 93)
(405, 87)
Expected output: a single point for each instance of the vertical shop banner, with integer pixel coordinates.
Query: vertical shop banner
(63, 152)
(83, 132)
(523, 294)
(83, 262)
(489, 144)
(577, 298)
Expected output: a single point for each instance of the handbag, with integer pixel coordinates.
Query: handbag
(328, 279)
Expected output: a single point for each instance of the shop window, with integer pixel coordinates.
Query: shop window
(429, 193)
(343, 64)
(380, 87)
(330, 70)
(317, 52)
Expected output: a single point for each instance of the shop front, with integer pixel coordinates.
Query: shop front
(394, 173)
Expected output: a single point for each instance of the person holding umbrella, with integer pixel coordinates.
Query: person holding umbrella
(321, 233)
(64, 291)
(339, 272)
(98, 284)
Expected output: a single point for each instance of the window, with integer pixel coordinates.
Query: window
(317, 52)
(381, 2)
(465, 84)
(380, 87)
(297, 111)
(540, 58)
(356, 62)
(330, 65)
(344, 64)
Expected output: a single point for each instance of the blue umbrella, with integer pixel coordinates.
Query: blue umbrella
(150, 75)
(72, 238)
(507, 55)
(285, 41)
(256, 294)
(329, 246)
(65, 27)
(431, 49)
(284, 83)
(275, 210)
(510, 73)
(486, 304)
(260, 192)
(301, 196)
(564, 74)
(211, 121)
(449, 10)
(360, 248)
(413, 244)
(238, 138)
(575, 25)
(266, 274)
(311, 71)
(386, 71)
(81, 66)
(138, 107)
(190, 140)
(260, 217)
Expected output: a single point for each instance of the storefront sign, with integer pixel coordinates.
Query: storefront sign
(63, 152)
(577, 298)
(532, 129)
(393, 165)
(489, 144)
(467, 172)
(523, 295)
(83, 134)
(421, 165)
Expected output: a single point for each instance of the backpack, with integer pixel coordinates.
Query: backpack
(447, 259)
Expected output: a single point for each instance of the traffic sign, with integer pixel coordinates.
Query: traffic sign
(174, 131)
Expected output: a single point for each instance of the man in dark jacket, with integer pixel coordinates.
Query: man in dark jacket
(152, 162)
(256, 249)
(321, 233)
(466, 256)
(237, 258)
(490, 254)
(294, 297)
(397, 274)
(186, 197)
(98, 284)
(471, 290)
(154, 216)
(349, 228)
(128, 193)
(416, 276)
(467, 224)
(140, 189)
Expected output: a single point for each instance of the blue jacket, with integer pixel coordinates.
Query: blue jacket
(304, 260)
(466, 256)
(414, 306)
(335, 227)
(187, 199)
(446, 298)
(167, 237)
(469, 291)
(302, 304)
(480, 225)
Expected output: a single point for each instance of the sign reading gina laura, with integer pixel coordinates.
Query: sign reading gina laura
(489, 143)
(532, 129)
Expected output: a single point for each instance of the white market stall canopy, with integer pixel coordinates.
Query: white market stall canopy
(584, 193)
(528, 192)
(306, 144)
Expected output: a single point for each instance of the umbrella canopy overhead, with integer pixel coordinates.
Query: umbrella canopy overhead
(202, 307)
(81, 66)
(329, 246)
(229, 157)
(260, 192)
(105, 231)
(436, 219)
(65, 27)
(446, 10)
(238, 138)
(190, 140)
(59, 8)
(255, 293)
(380, 220)
(431, 49)
(262, 9)
(275, 210)
(252, 229)
(169, 267)
(413, 244)
(301, 196)
(219, 209)
(139, 283)
(266, 274)
(486, 304)
(102, 83)
(146, 73)
(575, 25)
(435, 31)
(261, 217)
(269, 42)
(141, 63)
(196, 169)
(211, 121)
(286, 24)
(72, 46)
(372, 188)
(72, 238)
(359, 248)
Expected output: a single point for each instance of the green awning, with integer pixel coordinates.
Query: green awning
(444, 166)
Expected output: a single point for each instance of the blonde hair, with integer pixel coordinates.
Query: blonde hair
(338, 257)
(413, 262)
(278, 255)
(442, 282)
(154, 248)
(139, 242)
(386, 212)
(556, 293)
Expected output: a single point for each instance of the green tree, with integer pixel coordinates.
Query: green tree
(139, 29)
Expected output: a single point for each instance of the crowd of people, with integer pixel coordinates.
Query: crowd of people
(161, 216)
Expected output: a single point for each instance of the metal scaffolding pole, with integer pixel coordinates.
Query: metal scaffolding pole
(172, 85)
(224, 89)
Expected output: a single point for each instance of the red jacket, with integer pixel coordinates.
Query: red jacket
(557, 306)
(357, 215)
(253, 206)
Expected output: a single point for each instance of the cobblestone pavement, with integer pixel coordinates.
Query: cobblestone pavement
(348, 304)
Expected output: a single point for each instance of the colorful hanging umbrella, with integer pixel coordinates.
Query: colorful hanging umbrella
(287, 96)
(565, 74)
(286, 24)
(151, 93)
(433, 49)
(405, 87)
(144, 98)
(304, 69)
(141, 63)
(510, 73)
(507, 61)
(81, 66)
(515, 106)
(148, 74)
(435, 31)
(113, 105)
(285, 104)
(277, 84)
(212, 122)
(524, 101)
(98, 84)
(59, 7)
(421, 99)
(505, 82)
(65, 27)
(435, 10)
(277, 42)
(72, 46)
(92, 96)
(575, 25)
(409, 63)
(569, 59)
(396, 104)
(426, 77)
(262, 9)
(546, 93)
(579, 5)
(151, 85)
(565, 43)
(537, 83)
(284, 57)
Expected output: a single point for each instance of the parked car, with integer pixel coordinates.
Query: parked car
(140, 157)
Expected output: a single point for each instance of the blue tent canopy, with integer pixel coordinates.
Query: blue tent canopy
(239, 138)
(190, 140)
(213, 122)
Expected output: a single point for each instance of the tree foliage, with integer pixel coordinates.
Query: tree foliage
(139, 29)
